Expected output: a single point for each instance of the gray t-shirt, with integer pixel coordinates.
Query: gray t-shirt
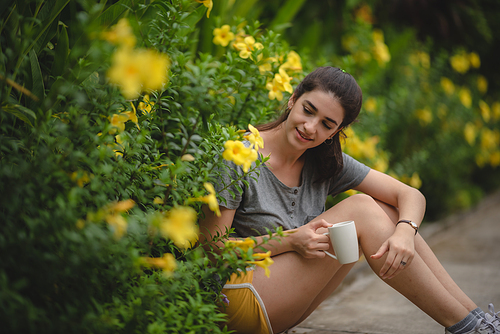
(268, 203)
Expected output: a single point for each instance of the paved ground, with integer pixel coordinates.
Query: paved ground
(468, 246)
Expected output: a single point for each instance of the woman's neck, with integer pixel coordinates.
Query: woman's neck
(282, 153)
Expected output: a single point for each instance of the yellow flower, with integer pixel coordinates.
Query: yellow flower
(210, 199)
(120, 34)
(132, 115)
(485, 110)
(207, 3)
(380, 49)
(274, 90)
(293, 62)
(370, 104)
(125, 72)
(465, 97)
(167, 263)
(474, 59)
(489, 139)
(121, 206)
(482, 84)
(223, 35)
(146, 106)
(80, 177)
(448, 86)
(421, 58)
(158, 200)
(361, 57)
(179, 224)
(415, 181)
(495, 109)
(424, 116)
(350, 192)
(155, 71)
(247, 46)
(187, 157)
(381, 164)
(254, 137)
(364, 13)
(80, 224)
(137, 70)
(243, 244)
(279, 84)
(118, 121)
(118, 223)
(350, 42)
(460, 62)
(265, 262)
(470, 132)
(495, 159)
(237, 152)
(424, 59)
(378, 36)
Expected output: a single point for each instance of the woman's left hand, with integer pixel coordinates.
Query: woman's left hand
(400, 249)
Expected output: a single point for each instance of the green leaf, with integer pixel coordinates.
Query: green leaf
(110, 15)
(61, 53)
(191, 20)
(287, 12)
(56, 10)
(38, 88)
(20, 112)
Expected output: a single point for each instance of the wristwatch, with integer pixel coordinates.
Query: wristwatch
(412, 224)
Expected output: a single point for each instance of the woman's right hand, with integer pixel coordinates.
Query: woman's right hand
(307, 242)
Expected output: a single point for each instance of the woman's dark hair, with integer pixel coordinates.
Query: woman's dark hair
(327, 158)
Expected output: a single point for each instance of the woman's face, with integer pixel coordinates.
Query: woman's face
(314, 117)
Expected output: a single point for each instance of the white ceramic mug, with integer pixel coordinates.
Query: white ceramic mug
(344, 240)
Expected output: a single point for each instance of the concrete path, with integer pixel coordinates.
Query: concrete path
(468, 245)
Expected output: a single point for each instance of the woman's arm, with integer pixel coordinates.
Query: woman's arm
(303, 240)
(409, 201)
(410, 204)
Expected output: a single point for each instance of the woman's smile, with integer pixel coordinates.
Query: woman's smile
(302, 136)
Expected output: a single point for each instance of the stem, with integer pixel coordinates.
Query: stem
(184, 149)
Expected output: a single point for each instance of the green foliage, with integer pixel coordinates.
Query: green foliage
(72, 259)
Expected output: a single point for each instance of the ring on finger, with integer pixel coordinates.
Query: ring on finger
(403, 263)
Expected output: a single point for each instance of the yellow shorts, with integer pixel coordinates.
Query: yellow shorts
(246, 311)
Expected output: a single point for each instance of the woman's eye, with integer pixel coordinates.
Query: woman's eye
(326, 126)
(307, 111)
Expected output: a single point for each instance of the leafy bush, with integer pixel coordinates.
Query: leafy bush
(111, 131)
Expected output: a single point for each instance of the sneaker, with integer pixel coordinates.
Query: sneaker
(493, 317)
(483, 326)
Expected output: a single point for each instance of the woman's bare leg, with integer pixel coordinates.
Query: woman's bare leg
(432, 262)
(297, 285)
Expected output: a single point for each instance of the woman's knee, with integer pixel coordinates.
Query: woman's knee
(361, 203)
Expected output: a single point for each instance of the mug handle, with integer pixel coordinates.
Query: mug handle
(327, 253)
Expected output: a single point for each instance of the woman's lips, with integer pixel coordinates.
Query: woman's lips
(301, 136)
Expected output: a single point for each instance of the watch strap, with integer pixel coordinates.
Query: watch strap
(409, 222)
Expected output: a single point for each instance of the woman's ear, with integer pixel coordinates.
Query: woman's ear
(291, 101)
(335, 133)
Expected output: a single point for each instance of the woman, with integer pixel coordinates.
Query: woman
(305, 165)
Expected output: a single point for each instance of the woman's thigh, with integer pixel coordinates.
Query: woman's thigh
(297, 283)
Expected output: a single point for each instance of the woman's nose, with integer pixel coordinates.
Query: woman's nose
(310, 126)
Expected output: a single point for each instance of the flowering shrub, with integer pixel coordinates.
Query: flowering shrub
(113, 132)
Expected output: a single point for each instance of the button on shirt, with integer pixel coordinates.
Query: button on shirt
(267, 203)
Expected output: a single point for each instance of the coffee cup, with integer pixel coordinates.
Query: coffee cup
(344, 240)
